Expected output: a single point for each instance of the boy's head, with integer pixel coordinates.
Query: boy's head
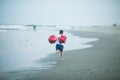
(61, 32)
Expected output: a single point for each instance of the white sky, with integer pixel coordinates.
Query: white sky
(60, 12)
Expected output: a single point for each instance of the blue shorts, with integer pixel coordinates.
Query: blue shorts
(59, 47)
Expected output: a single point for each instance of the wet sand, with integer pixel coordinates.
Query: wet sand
(101, 62)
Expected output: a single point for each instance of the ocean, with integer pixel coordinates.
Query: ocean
(22, 46)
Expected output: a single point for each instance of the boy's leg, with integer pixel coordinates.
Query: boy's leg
(61, 56)
(57, 51)
(61, 53)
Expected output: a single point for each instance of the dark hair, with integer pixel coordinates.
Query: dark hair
(61, 32)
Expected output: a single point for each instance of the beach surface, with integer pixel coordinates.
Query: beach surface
(100, 62)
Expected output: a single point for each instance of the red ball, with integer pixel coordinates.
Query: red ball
(52, 39)
(62, 39)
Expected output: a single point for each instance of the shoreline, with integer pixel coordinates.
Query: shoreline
(29, 48)
(100, 62)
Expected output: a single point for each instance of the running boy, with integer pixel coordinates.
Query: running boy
(59, 45)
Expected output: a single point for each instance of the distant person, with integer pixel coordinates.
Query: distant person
(61, 39)
(114, 25)
(34, 27)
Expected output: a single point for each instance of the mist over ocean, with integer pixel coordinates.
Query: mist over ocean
(60, 12)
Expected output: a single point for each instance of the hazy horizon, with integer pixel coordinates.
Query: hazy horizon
(60, 12)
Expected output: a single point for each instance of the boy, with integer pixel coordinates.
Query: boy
(60, 46)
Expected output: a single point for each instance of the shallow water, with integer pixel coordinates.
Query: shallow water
(20, 49)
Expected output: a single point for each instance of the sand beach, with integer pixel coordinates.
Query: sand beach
(100, 62)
